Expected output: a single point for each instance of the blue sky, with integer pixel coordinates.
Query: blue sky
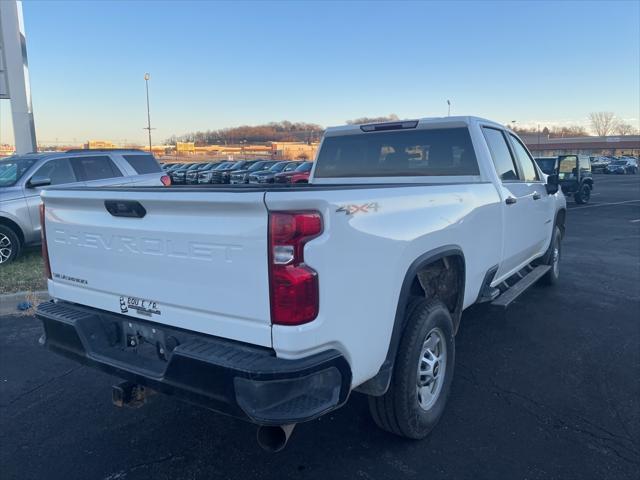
(217, 64)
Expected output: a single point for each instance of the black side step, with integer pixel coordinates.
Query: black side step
(518, 288)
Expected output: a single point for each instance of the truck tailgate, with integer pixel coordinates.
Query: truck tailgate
(194, 260)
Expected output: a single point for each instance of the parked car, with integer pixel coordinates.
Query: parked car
(22, 178)
(267, 176)
(179, 176)
(223, 176)
(167, 166)
(623, 166)
(575, 177)
(299, 175)
(242, 175)
(193, 176)
(206, 176)
(358, 280)
(598, 164)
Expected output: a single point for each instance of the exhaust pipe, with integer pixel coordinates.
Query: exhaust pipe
(274, 439)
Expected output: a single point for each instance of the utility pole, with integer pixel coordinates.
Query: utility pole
(448, 108)
(148, 127)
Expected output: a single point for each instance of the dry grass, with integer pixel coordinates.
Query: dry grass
(26, 274)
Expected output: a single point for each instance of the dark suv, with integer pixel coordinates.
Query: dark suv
(574, 174)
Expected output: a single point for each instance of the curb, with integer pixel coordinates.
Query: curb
(9, 302)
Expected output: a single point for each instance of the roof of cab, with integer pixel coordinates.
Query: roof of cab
(427, 122)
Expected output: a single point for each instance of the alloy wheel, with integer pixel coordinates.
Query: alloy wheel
(6, 248)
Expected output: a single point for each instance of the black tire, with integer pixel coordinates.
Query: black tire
(553, 259)
(583, 195)
(9, 245)
(399, 411)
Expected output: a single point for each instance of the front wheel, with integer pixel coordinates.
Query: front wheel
(583, 195)
(552, 258)
(422, 373)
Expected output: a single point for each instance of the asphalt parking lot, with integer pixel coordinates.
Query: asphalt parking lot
(550, 391)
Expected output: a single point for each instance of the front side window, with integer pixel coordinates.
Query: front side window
(96, 168)
(400, 153)
(524, 159)
(500, 154)
(59, 171)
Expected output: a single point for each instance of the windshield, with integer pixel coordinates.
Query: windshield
(547, 165)
(257, 166)
(278, 167)
(222, 165)
(239, 165)
(305, 167)
(13, 168)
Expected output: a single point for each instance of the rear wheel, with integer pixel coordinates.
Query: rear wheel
(422, 373)
(583, 195)
(9, 245)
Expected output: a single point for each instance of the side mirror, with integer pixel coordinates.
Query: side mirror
(552, 184)
(39, 182)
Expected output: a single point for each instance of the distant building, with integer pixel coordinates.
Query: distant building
(293, 150)
(93, 144)
(185, 148)
(542, 146)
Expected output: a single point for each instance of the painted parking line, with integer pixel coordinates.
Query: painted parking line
(635, 221)
(605, 204)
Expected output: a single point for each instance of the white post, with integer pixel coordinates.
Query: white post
(14, 75)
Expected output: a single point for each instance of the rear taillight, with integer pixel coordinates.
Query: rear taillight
(43, 239)
(294, 291)
(166, 180)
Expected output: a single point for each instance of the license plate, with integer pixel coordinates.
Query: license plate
(141, 306)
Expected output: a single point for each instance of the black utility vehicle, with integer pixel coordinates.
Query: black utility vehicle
(223, 175)
(179, 176)
(574, 174)
(242, 175)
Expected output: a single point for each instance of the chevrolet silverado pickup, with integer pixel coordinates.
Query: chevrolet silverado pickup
(274, 303)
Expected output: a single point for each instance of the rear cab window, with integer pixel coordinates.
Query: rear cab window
(143, 163)
(399, 153)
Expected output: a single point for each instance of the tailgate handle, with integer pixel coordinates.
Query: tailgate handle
(125, 208)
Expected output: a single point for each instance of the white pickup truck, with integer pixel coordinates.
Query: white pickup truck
(273, 303)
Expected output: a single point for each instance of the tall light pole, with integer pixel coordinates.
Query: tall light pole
(448, 108)
(148, 128)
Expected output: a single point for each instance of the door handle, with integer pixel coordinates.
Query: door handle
(510, 200)
(536, 196)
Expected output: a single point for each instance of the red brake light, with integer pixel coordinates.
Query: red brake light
(293, 285)
(43, 239)
(166, 180)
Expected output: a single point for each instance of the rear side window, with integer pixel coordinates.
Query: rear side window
(143, 163)
(437, 152)
(96, 168)
(500, 154)
(525, 160)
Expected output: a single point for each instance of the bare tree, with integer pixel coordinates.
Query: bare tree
(602, 123)
(392, 117)
(623, 128)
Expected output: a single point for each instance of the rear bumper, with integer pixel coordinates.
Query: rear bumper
(240, 380)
